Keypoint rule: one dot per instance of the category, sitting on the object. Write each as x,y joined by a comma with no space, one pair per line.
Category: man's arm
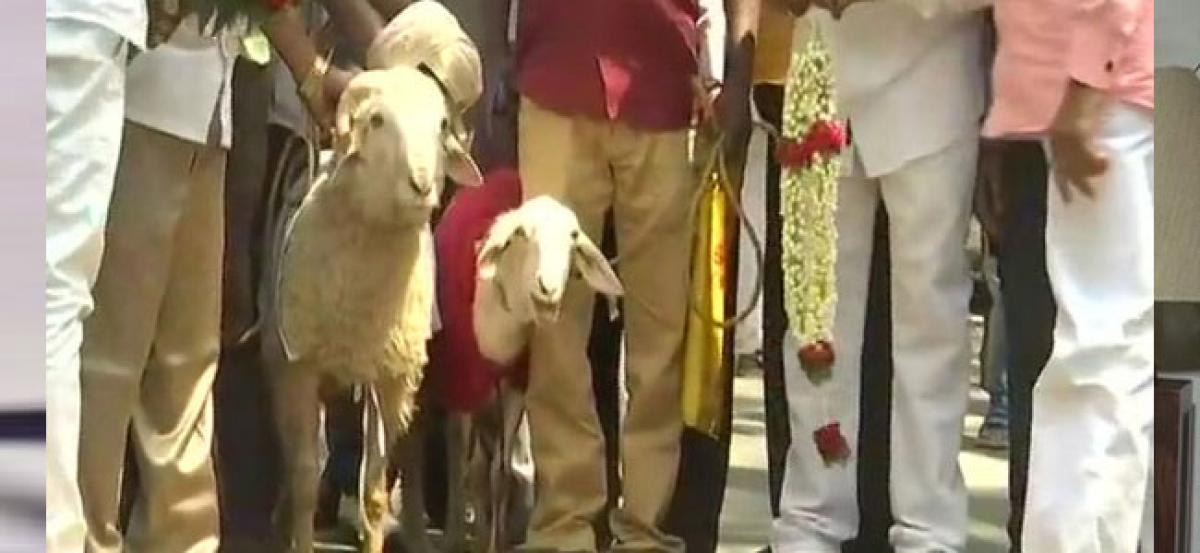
357,20
741,20
733,104
288,33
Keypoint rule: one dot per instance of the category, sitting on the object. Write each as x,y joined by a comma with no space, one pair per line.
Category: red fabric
621,60
465,379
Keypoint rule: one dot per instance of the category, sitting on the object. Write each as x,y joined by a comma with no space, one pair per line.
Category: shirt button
1108,66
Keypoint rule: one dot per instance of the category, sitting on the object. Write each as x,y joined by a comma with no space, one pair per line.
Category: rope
716,164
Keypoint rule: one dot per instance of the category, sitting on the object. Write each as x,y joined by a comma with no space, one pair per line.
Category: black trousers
1028,304
247,460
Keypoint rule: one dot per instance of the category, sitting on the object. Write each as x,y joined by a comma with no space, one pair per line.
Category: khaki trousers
150,349
645,178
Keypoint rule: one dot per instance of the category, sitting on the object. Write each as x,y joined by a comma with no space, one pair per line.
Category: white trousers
1093,406
85,107
929,203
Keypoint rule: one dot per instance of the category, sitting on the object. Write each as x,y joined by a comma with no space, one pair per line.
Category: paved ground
746,517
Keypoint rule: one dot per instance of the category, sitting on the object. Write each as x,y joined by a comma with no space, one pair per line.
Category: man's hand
990,201
323,106
1076,161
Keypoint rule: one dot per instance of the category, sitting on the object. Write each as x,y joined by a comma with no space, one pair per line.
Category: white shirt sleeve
712,40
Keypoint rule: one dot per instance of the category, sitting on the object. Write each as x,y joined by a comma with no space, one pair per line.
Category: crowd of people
166,147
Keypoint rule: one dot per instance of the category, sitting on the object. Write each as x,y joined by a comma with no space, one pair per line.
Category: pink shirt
1044,44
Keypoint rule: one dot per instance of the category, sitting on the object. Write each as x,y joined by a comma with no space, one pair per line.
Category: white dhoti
1093,406
929,203
85,106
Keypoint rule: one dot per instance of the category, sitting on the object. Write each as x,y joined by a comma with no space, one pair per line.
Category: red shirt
464,378
619,60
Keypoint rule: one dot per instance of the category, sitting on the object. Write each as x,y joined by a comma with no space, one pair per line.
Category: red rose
276,5
826,138
787,153
817,355
831,445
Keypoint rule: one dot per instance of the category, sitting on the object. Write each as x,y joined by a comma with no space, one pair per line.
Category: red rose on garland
826,138
831,444
817,360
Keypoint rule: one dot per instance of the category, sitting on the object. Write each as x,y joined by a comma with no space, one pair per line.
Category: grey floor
22,497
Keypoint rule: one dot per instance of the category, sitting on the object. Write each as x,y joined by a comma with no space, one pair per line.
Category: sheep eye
376,120
574,235
445,125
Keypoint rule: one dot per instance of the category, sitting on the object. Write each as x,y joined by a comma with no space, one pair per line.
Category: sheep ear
494,243
486,261
459,165
594,268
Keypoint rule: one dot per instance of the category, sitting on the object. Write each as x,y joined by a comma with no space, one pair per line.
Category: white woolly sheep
524,267
356,277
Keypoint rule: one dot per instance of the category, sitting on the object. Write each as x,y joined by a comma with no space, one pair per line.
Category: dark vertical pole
246,456
695,511
769,100
1028,304
604,352
875,414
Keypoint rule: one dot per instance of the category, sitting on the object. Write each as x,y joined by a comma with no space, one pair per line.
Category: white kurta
910,79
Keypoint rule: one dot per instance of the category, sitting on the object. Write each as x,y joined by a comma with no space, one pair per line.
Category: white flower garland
808,154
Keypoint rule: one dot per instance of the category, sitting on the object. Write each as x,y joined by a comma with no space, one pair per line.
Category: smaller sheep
524,267
504,268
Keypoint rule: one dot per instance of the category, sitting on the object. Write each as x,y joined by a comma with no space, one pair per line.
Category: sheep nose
542,287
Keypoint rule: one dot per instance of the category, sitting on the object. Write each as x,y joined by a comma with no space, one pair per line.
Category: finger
1063,183
1092,167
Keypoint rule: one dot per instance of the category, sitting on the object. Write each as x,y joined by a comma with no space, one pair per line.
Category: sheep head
396,140
531,253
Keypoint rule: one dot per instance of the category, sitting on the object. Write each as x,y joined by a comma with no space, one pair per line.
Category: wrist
312,86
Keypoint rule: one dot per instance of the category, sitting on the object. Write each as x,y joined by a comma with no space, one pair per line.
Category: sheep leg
458,431
296,406
412,491
395,396
376,444
482,485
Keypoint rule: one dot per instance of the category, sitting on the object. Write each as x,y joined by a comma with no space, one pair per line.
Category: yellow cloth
774,49
705,373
